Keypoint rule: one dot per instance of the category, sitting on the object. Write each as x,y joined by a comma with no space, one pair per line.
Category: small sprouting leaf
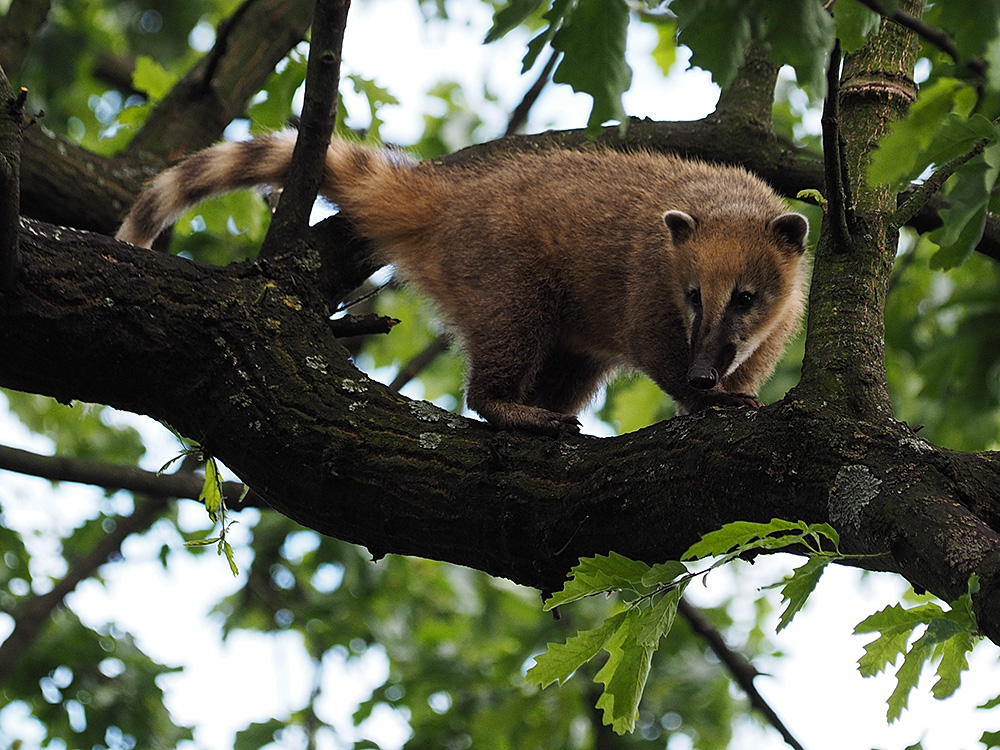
202,542
560,660
796,588
813,195
598,574
211,491
227,549
624,674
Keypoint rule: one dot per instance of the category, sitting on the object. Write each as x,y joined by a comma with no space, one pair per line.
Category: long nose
702,376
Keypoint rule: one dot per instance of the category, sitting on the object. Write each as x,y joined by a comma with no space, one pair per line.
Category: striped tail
351,173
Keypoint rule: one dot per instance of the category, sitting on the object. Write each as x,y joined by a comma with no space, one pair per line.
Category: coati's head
737,283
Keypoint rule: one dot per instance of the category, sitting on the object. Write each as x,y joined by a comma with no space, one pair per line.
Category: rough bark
244,360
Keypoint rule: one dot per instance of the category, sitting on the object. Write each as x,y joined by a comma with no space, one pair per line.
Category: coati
556,268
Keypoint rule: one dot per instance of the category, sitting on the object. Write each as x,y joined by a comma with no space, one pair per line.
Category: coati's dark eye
742,301
694,298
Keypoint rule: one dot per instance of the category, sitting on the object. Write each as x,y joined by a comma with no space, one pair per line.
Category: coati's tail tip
213,171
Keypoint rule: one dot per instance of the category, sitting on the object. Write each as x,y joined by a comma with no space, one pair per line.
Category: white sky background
815,689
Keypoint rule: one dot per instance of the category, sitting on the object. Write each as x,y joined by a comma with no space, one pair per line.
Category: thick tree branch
244,362
216,90
11,127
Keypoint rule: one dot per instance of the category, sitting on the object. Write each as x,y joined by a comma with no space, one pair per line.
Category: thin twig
738,665
839,200
319,112
115,476
932,184
420,362
520,114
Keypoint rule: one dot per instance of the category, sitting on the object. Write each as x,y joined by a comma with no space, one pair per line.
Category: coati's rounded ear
680,224
791,228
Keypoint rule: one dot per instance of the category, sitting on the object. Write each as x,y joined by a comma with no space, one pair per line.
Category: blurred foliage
457,642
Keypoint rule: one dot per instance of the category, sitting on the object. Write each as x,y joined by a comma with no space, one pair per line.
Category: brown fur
556,269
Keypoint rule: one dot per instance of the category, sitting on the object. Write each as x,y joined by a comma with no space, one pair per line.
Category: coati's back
557,268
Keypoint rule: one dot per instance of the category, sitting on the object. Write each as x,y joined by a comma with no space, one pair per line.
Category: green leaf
906,679
560,660
662,574
599,574
211,490
272,113
896,624
655,622
796,588
624,674
717,32
226,548
800,34
954,661
554,16
593,62
510,17
665,52
151,77
739,535
964,221
377,97
913,142
855,22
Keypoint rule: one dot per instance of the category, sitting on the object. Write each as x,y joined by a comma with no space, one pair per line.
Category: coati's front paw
706,399
509,415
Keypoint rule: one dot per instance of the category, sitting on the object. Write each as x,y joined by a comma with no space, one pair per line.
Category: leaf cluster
652,594
948,637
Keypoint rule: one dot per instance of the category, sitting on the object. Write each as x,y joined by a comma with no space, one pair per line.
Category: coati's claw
510,415
721,398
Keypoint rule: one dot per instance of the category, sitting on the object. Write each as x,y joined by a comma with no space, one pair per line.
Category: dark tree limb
319,113
742,671
838,187
11,128
343,455
118,477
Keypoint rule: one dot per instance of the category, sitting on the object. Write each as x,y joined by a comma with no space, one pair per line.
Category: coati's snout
702,377
707,366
